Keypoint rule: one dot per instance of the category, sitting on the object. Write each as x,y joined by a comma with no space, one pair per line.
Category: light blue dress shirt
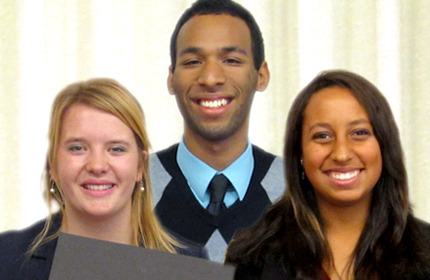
198,175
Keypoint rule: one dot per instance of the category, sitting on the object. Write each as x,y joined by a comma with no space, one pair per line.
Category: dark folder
78,257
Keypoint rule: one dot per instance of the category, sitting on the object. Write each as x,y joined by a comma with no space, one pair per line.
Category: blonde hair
110,96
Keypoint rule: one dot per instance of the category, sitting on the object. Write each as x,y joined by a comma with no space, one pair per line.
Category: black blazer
15,263
272,268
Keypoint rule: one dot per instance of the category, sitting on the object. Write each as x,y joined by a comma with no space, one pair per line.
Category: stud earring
142,186
52,189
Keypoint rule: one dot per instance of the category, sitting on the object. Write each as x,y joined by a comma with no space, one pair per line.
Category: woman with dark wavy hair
346,212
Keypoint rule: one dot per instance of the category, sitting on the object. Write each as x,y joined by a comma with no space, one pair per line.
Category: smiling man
215,182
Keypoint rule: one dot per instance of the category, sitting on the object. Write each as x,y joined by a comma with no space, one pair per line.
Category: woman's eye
117,149
362,132
76,148
321,136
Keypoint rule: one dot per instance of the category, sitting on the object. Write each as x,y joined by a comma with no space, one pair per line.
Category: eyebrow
234,49
123,142
229,49
77,139
327,125
190,50
73,140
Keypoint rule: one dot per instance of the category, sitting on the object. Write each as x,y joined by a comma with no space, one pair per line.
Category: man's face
214,79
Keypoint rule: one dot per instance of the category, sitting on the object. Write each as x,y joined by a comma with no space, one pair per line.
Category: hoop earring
142,186
52,189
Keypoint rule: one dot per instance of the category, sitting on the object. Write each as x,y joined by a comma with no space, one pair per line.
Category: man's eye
191,62
232,61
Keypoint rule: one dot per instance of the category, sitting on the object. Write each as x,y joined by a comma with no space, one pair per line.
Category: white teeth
213,104
344,176
98,187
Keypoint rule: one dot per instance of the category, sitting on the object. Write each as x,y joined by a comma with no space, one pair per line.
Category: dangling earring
303,170
142,186
52,189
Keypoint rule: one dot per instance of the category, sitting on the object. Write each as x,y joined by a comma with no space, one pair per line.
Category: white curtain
45,45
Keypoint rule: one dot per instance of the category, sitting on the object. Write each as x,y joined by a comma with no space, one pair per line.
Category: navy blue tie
217,189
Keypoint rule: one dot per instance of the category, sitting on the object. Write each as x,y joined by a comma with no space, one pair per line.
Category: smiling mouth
97,187
344,175
214,104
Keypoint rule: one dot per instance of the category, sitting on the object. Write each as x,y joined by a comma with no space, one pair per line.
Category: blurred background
45,45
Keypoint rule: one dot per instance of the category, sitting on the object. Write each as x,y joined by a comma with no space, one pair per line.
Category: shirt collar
198,174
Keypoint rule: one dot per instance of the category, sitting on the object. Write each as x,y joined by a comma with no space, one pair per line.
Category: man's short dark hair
219,7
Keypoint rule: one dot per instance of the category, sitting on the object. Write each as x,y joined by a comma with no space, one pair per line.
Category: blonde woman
97,171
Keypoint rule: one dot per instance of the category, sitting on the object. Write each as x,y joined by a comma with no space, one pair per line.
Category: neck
344,218
113,229
217,154
343,227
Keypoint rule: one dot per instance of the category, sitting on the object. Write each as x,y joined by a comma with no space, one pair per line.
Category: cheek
181,82
65,167
129,169
247,82
313,156
373,158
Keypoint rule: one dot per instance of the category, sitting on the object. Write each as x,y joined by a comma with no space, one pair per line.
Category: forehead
336,103
85,118
214,32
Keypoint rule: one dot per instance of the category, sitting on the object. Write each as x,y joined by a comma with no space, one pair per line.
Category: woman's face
97,163
341,155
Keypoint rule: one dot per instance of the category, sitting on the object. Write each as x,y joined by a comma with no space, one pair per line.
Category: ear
53,175
170,81
141,165
263,76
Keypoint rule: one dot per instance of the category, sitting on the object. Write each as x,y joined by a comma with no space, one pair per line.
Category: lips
344,175
97,187
214,104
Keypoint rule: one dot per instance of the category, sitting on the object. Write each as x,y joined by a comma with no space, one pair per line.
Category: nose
211,75
342,151
97,162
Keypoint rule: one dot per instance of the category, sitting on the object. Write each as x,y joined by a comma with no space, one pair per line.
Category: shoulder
167,153
20,238
270,169
411,258
161,168
417,230
272,269
159,162
261,154
14,245
423,226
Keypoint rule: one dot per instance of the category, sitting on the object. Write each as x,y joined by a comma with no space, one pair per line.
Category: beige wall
45,45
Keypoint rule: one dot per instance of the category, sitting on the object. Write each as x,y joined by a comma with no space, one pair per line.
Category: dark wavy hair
293,229
221,7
